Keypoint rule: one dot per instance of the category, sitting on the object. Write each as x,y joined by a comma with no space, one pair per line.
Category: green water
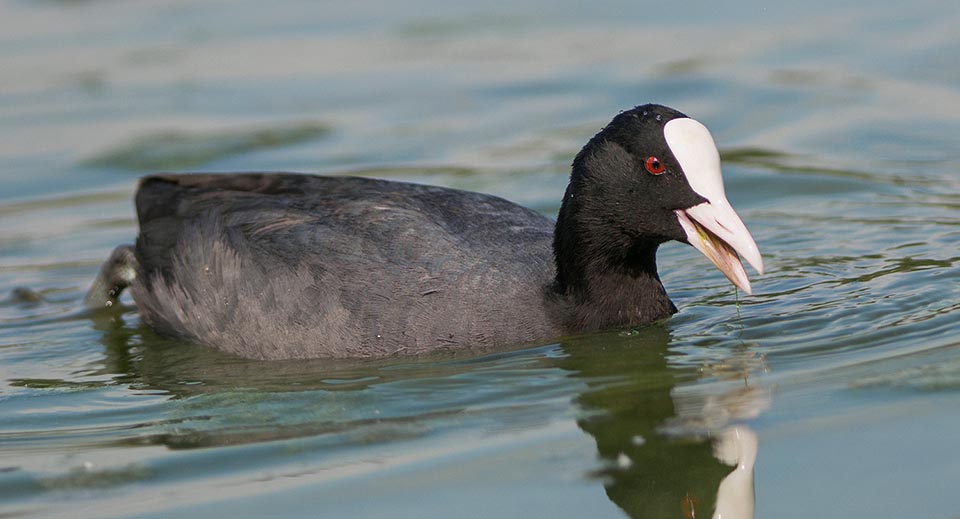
840,132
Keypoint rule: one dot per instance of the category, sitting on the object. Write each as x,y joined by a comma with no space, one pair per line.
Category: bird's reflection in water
665,423
737,446
667,432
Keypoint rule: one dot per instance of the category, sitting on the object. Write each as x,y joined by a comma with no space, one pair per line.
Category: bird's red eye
654,166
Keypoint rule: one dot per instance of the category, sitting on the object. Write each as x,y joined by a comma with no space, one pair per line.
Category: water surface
840,132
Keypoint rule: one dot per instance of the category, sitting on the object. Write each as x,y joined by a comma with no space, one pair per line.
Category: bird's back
288,266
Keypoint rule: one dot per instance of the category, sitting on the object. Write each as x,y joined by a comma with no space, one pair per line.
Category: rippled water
840,131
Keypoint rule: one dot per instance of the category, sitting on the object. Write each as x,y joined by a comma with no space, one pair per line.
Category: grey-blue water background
839,125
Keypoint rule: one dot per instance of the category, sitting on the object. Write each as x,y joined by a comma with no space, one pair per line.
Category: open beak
713,227
715,230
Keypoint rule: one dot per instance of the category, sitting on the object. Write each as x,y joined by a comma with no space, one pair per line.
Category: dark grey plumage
288,266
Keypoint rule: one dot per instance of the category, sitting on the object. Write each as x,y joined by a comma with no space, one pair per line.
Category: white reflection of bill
736,446
714,409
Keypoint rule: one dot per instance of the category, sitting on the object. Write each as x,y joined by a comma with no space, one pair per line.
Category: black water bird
279,265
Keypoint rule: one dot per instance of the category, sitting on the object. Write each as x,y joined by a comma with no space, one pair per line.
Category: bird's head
653,175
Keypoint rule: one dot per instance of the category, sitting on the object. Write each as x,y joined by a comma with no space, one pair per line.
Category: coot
280,265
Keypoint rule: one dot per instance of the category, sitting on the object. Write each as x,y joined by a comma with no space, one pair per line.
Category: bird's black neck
608,278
